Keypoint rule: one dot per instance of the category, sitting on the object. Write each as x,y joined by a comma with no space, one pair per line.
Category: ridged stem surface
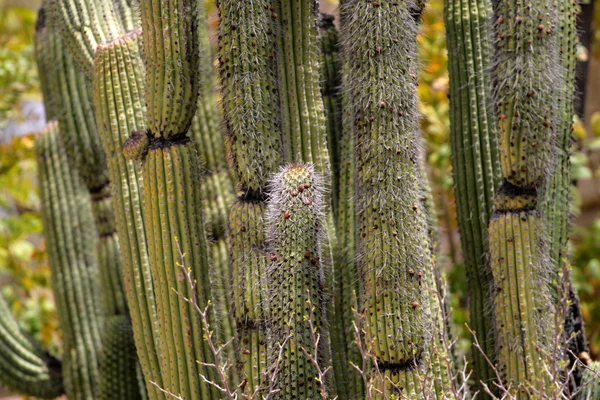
298,339
118,364
70,240
250,94
170,32
24,366
475,157
391,236
248,258
528,78
176,240
84,25
118,101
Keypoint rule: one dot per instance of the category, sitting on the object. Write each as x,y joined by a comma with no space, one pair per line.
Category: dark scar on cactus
407,365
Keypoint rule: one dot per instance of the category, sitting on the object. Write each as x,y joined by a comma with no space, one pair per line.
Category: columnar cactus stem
82,142
298,343
528,77
332,98
118,364
24,366
255,150
250,96
70,240
85,24
475,157
217,184
304,125
591,382
392,237
118,101
172,199
248,257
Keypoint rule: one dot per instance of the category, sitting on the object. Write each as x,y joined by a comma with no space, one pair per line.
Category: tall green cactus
70,240
252,124
392,238
24,366
118,101
298,345
171,195
528,77
86,24
118,365
475,158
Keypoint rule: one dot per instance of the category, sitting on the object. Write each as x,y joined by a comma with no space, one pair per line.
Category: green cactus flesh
118,101
177,240
298,55
527,78
296,313
331,91
24,366
250,93
85,24
118,363
521,301
475,156
591,383
248,258
70,241
170,38
392,238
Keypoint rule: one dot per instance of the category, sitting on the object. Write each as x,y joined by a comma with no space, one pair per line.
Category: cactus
70,239
252,127
295,226
391,222
475,158
250,98
590,383
117,364
519,246
85,25
24,366
177,241
118,65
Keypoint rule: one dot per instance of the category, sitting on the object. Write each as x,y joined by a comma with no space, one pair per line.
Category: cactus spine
528,77
475,160
70,239
253,135
296,317
118,102
591,383
171,194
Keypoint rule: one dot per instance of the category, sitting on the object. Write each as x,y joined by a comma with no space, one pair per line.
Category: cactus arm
475,160
118,101
24,366
295,276
248,258
85,24
171,170
526,44
118,364
332,98
250,97
70,240
591,383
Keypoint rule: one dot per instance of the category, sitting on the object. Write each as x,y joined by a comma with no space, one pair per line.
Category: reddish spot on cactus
286,214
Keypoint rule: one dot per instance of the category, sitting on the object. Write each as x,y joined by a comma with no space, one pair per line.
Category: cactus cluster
284,244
